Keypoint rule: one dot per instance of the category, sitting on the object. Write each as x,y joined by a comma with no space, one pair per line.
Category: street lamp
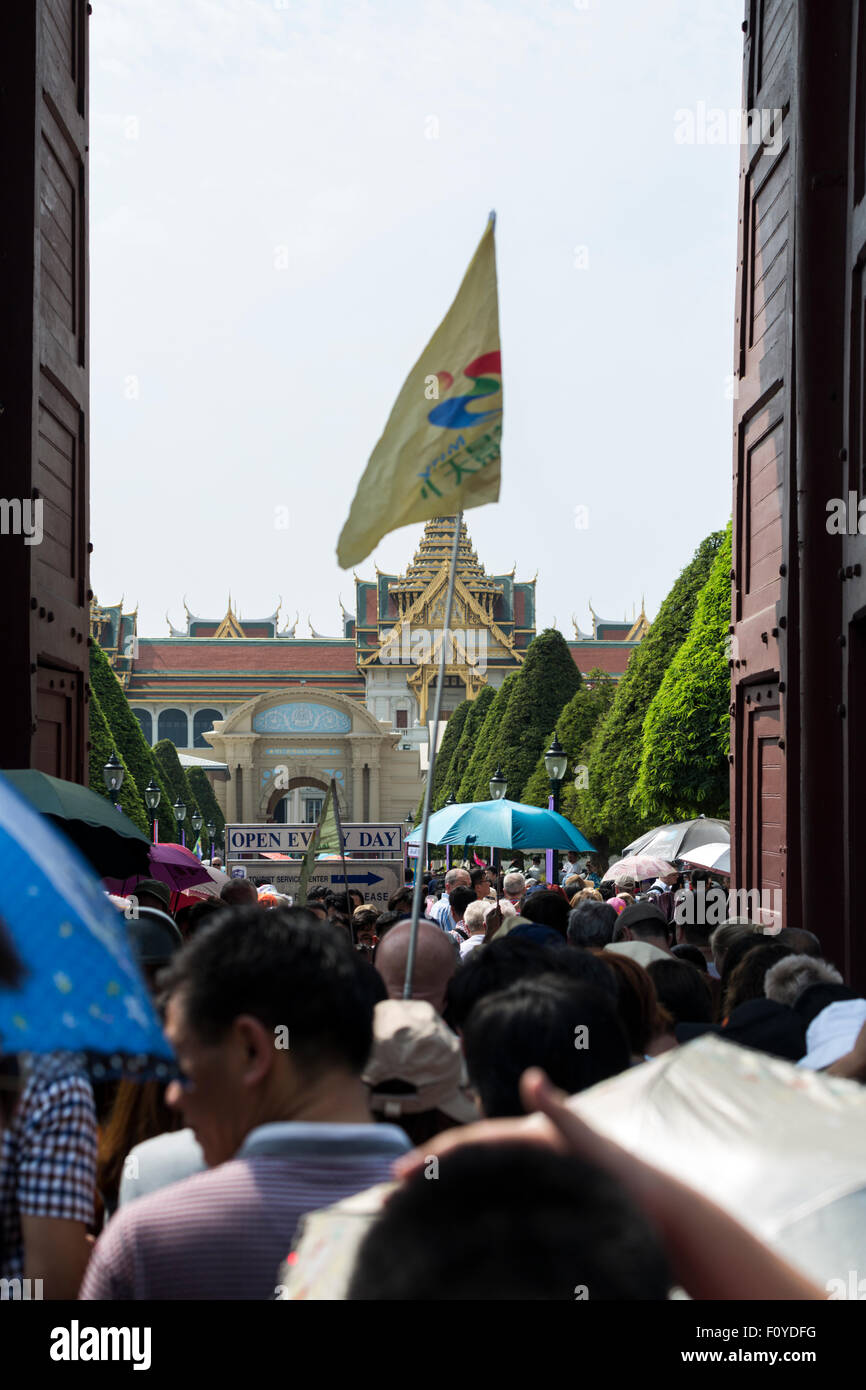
452,800
211,830
556,763
112,775
197,820
498,784
179,809
152,795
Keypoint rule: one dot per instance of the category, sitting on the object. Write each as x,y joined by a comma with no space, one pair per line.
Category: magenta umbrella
171,864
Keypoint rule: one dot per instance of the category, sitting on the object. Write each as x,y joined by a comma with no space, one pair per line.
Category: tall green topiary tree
684,767
450,739
102,746
478,709
604,811
545,683
574,728
487,735
128,738
208,805
177,784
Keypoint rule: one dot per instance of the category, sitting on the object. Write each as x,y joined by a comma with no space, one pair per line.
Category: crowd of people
304,1077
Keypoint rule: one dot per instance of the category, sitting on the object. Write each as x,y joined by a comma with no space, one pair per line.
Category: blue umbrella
502,825
82,991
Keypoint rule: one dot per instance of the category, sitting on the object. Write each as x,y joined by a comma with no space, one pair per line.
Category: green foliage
475,718
208,805
686,733
129,741
450,739
604,810
545,683
574,728
101,748
178,785
485,743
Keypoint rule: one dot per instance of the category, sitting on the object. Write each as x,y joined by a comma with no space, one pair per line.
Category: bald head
435,962
457,878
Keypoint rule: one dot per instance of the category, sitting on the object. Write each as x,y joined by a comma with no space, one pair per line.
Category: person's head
459,900
785,981
150,892
481,882
513,1222
195,916
401,902
643,922
746,980
436,960
801,942
574,884
607,889
737,950
569,1029
624,884
385,921
548,908
415,1070
365,917
637,1001
475,915
723,938
239,892
457,878
514,886
269,1021
514,958
693,954
682,990
591,923
155,939
355,898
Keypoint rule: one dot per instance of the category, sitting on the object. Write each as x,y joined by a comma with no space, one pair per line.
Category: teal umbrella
107,838
503,825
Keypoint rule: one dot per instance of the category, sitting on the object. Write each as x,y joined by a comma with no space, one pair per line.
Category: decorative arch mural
302,717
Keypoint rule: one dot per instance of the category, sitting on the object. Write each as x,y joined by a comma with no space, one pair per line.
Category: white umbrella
715,856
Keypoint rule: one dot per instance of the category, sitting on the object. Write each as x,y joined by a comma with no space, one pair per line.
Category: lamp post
452,801
179,809
152,795
556,763
197,820
409,827
498,788
112,775
211,830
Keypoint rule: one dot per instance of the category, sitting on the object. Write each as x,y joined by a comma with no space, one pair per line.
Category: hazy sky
284,198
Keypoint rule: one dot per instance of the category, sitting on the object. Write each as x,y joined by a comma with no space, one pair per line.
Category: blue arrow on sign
367,878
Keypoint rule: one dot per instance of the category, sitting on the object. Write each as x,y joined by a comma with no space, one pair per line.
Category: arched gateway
283,742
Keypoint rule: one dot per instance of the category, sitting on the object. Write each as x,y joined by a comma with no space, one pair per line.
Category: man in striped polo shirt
271,1018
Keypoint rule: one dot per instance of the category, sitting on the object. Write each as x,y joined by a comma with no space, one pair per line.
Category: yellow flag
327,838
439,452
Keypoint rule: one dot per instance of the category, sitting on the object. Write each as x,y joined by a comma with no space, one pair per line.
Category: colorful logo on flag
454,414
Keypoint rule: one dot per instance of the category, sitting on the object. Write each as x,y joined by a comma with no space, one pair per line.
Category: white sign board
373,838
377,879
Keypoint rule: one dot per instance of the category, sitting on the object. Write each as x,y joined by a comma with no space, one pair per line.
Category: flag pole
431,764
336,805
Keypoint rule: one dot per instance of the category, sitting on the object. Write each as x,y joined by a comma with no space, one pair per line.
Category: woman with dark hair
646,1023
